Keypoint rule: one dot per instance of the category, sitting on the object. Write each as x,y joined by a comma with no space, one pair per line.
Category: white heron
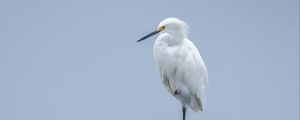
180,65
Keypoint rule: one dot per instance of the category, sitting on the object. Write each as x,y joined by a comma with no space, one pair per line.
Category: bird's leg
183,111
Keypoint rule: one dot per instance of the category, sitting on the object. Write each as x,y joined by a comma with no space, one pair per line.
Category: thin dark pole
184,112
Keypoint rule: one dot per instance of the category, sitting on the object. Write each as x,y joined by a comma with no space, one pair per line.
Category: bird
180,65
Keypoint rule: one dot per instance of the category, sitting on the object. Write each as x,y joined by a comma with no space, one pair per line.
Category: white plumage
180,65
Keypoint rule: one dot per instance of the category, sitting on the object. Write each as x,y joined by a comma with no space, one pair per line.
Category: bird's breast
166,58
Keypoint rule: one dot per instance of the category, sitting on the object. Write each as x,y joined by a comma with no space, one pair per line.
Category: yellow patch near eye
162,28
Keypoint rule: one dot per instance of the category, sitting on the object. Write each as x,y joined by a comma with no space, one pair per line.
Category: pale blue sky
79,60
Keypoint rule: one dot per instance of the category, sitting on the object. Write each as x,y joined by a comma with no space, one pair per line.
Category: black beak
149,35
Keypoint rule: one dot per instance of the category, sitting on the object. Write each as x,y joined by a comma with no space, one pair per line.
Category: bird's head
172,26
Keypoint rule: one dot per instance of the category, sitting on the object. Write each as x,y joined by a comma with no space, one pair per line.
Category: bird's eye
162,28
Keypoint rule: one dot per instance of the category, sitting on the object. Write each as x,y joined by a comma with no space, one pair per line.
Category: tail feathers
196,104
191,100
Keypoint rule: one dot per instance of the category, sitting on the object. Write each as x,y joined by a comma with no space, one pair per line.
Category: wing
195,76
